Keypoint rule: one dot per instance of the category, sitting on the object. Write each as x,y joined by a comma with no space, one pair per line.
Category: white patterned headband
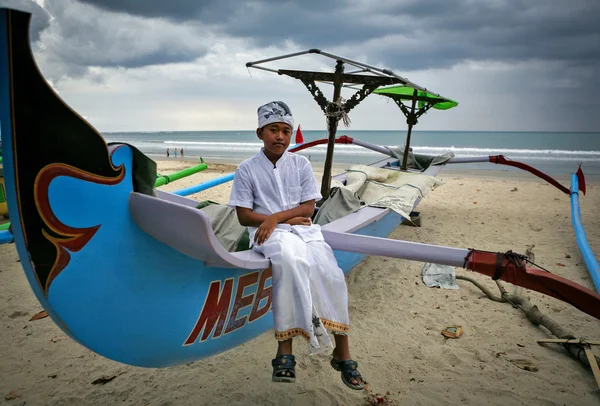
275,112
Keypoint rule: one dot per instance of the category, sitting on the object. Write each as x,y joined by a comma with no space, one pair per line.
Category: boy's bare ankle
284,348
341,354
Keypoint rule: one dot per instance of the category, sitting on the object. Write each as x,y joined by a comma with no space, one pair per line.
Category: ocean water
551,152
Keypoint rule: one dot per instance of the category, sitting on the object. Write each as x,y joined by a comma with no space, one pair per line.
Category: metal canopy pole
332,124
410,120
277,58
336,109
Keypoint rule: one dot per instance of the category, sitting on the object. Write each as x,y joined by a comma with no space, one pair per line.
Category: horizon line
324,130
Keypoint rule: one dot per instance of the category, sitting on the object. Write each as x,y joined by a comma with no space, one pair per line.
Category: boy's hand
299,221
265,229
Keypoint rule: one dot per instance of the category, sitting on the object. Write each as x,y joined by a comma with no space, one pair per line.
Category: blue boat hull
104,281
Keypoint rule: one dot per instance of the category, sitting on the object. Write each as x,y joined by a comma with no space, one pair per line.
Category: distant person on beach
168,153
175,152
274,193
181,152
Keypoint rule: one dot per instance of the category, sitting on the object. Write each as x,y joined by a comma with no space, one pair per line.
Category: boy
274,194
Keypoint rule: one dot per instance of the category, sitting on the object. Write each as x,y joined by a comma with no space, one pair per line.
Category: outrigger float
138,275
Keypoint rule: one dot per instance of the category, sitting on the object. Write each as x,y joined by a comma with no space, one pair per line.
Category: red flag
581,179
299,137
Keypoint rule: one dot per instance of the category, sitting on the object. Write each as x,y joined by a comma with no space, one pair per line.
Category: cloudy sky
149,65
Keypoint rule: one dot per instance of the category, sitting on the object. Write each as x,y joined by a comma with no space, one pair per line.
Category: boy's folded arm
248,218
305,209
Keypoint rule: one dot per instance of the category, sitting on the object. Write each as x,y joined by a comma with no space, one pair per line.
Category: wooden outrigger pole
370,77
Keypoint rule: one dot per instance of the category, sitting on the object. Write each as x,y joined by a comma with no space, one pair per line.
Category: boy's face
276,137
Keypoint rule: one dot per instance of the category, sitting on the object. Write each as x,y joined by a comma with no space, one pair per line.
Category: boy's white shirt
309,289
267,189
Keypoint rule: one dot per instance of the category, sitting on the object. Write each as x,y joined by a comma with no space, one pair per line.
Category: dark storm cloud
78,36
177,10
267,22
40,19
86,37
407,35
217,11
499,31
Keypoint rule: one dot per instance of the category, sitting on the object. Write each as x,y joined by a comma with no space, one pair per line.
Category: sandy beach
396,321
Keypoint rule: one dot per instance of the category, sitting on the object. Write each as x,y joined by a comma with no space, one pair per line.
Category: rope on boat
336,110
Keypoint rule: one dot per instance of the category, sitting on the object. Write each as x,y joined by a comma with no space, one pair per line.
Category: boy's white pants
309,289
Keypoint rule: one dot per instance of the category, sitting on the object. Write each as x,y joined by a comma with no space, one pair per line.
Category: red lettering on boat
213,312
241,301
262,293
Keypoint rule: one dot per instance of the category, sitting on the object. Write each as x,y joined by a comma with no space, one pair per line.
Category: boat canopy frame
370,77
426,100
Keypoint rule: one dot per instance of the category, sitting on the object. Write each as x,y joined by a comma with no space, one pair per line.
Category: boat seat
189,231
355,221
174,220
161,194
347,224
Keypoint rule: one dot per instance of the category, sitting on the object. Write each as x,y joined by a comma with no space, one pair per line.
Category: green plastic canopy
406,93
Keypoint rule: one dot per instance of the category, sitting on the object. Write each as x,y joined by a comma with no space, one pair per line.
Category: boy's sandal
282,367
349,371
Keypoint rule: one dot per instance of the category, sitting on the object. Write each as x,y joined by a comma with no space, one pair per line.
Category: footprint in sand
17,314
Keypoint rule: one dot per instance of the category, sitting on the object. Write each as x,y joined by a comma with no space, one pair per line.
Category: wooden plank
593,364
